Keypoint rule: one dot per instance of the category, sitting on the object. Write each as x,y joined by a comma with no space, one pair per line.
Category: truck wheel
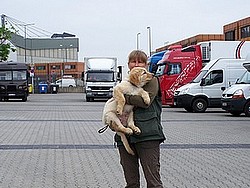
235,113
189,109
24,99
199,105
247,109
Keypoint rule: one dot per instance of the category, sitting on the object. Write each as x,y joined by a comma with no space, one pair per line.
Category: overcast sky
109,27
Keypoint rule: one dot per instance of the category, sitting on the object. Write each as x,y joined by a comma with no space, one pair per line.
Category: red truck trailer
178,67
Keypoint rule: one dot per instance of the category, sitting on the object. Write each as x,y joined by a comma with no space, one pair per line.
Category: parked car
66,82
236,99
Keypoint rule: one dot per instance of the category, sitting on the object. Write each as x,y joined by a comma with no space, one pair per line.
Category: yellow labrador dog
116,106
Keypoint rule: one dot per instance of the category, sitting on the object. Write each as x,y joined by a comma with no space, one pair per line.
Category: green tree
5,45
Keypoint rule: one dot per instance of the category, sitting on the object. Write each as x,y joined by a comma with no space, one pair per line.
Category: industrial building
53,57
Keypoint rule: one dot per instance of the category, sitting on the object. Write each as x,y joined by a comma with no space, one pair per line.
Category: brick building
56,70
238,30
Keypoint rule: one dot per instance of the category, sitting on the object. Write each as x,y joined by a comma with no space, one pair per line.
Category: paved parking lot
52,141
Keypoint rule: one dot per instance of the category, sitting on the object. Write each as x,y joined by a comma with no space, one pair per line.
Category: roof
44,43
12,65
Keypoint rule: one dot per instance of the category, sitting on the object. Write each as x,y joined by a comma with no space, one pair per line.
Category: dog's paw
147,100
119,111
129,131
131,152
137,131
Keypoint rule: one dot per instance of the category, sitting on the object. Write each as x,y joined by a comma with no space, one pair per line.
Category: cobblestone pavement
51,141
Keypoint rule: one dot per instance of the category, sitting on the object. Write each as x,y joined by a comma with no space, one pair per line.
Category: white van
206,89
66,82
236,99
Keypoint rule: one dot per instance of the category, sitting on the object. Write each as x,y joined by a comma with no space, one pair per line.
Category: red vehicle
178,67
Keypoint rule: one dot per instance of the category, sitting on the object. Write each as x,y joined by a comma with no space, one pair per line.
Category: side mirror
202,82
154,68
82,76
119,77
119,73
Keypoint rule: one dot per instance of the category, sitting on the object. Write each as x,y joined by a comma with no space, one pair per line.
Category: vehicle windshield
13,75
19,75
198,78
100,77
5,75
160,69
245,79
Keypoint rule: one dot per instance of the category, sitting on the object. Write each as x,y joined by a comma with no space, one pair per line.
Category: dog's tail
125,143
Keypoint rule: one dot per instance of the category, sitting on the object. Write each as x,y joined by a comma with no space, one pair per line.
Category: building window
69,67
21,51
46,53
60,53
55,67
56,53
70,53
51,54
33,53
42,53
230,35
38,53
245,32
28,52
40,68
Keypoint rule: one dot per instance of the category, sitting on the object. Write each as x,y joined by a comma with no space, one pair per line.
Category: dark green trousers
148,155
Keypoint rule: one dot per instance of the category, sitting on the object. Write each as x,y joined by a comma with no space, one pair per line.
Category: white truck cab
100,77
206,89
236,99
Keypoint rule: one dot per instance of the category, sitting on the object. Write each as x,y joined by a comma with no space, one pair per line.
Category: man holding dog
147,144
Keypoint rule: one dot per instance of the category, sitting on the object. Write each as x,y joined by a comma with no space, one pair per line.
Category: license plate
12,94
224,104
100,93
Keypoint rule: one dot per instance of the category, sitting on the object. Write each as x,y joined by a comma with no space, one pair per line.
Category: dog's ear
134,77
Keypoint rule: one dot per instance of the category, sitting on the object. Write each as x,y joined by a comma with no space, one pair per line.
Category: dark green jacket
146,117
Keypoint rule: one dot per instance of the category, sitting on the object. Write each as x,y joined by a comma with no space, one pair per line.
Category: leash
101,130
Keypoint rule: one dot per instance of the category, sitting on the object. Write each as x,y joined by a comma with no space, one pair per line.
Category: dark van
13,81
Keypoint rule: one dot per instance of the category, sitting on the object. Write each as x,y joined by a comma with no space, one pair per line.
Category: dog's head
139,76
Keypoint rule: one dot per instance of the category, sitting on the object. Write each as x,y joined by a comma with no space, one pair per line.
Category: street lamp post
137,40
25,40
149,40
64,54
